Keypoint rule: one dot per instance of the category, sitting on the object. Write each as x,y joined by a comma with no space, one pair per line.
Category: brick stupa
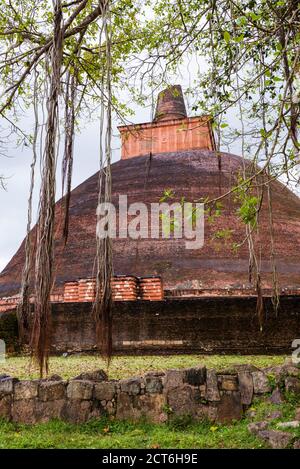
175,152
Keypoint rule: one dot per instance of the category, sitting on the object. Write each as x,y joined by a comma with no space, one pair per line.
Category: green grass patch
109,433
105,433
126,366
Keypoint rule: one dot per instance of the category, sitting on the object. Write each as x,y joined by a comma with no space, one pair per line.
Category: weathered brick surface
217,324
196,172
162,137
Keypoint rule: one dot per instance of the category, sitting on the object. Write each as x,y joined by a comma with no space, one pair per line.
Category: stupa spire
170,104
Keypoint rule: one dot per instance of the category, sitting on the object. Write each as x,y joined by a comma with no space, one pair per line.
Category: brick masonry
194,175
124,288
178,325
167,136
157,396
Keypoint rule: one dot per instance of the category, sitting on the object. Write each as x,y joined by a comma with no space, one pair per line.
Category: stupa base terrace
181,321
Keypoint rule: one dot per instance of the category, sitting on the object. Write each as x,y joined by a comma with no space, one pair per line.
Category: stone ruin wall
197,392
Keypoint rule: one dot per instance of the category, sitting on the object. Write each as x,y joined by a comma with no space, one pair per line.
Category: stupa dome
191,168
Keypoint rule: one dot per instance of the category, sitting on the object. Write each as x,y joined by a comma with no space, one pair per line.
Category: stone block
276,439
228,382
49,410
52,390
5,407
105,391
55,377
110,408
245,386
149,406
212,390
131,386
174,378
124,407
26,390
292,371
184,400
296,445
256,427
153,383
260,383
202,389
23,411
208,412
276,397
292,424
196,376
4,376
97,375
7,386
230,407
292,384
82,390
77,411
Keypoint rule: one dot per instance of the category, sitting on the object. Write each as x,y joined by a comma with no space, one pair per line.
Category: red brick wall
166,136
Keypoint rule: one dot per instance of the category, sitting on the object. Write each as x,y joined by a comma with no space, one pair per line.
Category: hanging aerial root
23,308
104,258
103,303
259,303
40,337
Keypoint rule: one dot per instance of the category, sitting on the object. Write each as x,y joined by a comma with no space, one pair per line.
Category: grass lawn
105,433
125,366
109,433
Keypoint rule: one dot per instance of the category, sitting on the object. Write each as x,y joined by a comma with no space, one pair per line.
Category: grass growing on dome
126,366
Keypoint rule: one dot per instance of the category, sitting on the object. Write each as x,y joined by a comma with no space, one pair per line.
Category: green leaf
254,16
263,133
227,36
239,38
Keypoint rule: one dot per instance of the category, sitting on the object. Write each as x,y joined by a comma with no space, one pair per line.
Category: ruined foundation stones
157,396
